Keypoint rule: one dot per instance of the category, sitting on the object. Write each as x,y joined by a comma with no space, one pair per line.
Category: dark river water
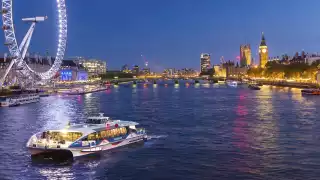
197,132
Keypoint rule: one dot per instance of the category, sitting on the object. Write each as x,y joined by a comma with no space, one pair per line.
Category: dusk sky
173,33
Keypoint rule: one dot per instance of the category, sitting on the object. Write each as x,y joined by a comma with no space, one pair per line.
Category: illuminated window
92,137
114,133
66,136
103,134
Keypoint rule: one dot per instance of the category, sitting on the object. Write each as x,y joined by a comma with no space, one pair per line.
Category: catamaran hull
79,152
100,148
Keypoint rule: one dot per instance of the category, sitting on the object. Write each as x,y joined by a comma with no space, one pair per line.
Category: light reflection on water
207,85
54,173
255,137
57,114
212,131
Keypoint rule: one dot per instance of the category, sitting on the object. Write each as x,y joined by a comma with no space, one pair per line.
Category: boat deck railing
141,131
38,142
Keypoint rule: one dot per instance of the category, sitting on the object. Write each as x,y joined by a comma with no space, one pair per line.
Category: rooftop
44,61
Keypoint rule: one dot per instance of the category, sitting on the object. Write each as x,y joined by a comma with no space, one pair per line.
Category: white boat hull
79,152
30,101
20,100
232,83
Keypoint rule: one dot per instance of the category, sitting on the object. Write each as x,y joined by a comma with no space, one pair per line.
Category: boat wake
154,137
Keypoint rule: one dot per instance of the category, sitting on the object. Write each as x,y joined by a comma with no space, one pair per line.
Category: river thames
197,132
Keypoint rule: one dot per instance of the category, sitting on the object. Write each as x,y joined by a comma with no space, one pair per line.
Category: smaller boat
254,87
12,101
232,83
44,94
213,81
81,91
108,83
310,91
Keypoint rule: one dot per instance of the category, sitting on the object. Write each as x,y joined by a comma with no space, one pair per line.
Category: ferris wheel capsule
4,27
8,43
4,11
35,19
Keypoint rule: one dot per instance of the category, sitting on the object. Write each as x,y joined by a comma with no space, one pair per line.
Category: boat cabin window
105,134
113,132
92,136
96,121
61,136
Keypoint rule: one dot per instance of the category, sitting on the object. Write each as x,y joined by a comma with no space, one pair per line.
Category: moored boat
97,134
81,91
45,94
232,83
310,91
12,101
254,87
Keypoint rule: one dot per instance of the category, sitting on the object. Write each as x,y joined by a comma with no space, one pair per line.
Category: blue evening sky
173,33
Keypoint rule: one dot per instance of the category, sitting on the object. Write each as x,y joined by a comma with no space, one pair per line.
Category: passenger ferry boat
97,134
81,91
19,100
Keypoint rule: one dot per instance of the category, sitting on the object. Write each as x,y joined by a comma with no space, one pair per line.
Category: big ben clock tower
263,52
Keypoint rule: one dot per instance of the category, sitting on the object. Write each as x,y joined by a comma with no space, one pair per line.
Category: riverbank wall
290,84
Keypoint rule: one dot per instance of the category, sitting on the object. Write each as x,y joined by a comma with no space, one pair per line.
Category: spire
263,40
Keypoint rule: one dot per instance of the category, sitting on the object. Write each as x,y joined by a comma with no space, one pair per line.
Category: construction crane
145,61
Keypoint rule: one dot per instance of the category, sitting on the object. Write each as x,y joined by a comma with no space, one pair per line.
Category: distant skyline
173,33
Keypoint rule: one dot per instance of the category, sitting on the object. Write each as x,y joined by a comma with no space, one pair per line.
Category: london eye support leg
23,47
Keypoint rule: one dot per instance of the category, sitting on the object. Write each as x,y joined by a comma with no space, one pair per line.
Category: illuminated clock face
264,50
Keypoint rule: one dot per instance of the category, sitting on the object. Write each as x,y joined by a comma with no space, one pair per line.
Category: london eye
18,52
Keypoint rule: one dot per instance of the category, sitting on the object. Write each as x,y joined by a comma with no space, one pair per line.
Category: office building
205,63
125,69
94,67
71,71
136,70
245,55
